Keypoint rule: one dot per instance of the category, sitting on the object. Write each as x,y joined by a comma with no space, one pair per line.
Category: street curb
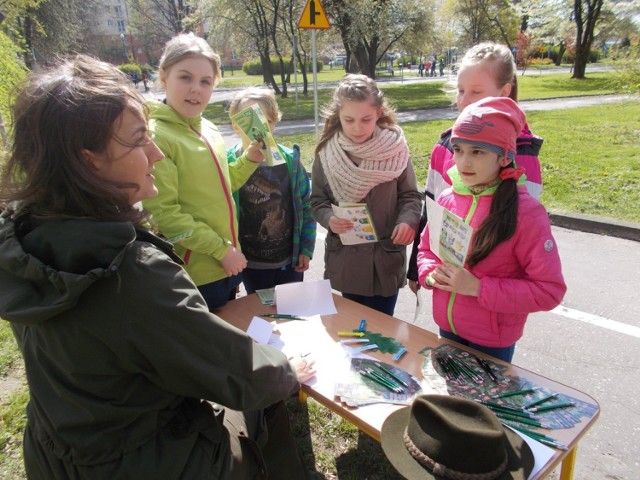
597,225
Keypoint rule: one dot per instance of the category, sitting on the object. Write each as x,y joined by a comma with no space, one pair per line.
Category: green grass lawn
590,157
431,94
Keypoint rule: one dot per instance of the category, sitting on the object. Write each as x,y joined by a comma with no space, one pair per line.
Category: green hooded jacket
119,349
194,207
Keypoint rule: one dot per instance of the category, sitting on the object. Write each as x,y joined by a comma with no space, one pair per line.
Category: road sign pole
295,71
315,81
314,17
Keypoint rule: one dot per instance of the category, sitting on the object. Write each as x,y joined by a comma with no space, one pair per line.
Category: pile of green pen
390,381
516,416
455,369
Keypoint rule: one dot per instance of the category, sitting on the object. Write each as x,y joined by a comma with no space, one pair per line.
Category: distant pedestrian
433,67
145,81
441,65
421,69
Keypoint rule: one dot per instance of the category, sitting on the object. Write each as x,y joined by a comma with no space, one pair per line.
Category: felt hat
441,437
492,123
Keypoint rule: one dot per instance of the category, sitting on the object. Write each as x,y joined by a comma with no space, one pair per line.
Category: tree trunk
585,27
561,50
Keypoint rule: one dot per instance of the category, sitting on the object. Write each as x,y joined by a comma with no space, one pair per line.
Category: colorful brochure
253,122
363,230
449,236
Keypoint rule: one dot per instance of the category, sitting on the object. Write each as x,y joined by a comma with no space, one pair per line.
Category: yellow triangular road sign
314,16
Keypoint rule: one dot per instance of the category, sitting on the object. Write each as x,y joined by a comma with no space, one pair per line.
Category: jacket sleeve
441,160
183,348
527,155
321,196
541,286
409,198
308,234
173,222
426,259
240,171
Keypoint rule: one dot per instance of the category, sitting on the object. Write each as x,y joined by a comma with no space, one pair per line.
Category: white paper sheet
305,298
260,330
541,453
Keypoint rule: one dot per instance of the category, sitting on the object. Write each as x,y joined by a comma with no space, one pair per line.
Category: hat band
446,472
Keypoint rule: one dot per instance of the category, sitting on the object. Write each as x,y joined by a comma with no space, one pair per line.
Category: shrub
626,76
131,69
12,70
541,61
254,67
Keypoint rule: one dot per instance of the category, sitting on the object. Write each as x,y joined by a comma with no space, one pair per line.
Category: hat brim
520,463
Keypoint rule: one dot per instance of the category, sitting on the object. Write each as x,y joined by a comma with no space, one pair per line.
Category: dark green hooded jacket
119,349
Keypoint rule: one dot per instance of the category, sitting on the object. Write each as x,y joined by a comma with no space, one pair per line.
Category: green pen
391,374
379,382
514,418
540,437
517,392
542,400
281,315
396,388
510,411
552,407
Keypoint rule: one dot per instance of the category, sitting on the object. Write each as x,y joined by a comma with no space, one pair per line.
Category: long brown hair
354,87
500,224
57,116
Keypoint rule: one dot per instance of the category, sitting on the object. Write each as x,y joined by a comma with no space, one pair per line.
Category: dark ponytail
500,224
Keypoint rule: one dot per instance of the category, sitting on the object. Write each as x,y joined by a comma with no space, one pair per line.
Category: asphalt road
591,343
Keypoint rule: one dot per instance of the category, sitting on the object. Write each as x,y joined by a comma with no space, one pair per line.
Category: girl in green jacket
194,208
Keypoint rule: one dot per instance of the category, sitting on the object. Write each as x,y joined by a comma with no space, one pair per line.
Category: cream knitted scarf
353,169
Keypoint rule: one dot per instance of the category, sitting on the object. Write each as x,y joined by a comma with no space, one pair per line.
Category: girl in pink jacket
513,267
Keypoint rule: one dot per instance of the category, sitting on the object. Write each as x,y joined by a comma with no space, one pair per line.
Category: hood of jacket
163,112
46,269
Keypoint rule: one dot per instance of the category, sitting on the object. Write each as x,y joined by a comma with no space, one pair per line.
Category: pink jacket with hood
520,276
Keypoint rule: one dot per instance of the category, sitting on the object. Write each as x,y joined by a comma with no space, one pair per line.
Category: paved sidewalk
289,127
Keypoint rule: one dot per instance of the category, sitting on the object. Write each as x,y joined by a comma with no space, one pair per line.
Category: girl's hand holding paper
255,151
455,279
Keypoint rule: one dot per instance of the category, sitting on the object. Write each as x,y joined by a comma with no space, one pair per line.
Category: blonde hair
260,95
498,61
354,87
188,45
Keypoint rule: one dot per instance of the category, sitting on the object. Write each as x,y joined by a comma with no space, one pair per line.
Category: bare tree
157,21
370,28
488,20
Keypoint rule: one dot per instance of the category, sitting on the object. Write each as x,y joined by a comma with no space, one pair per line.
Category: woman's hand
340,225
303,263
414,286
455,279
255,152
233,262
303,367
403,234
